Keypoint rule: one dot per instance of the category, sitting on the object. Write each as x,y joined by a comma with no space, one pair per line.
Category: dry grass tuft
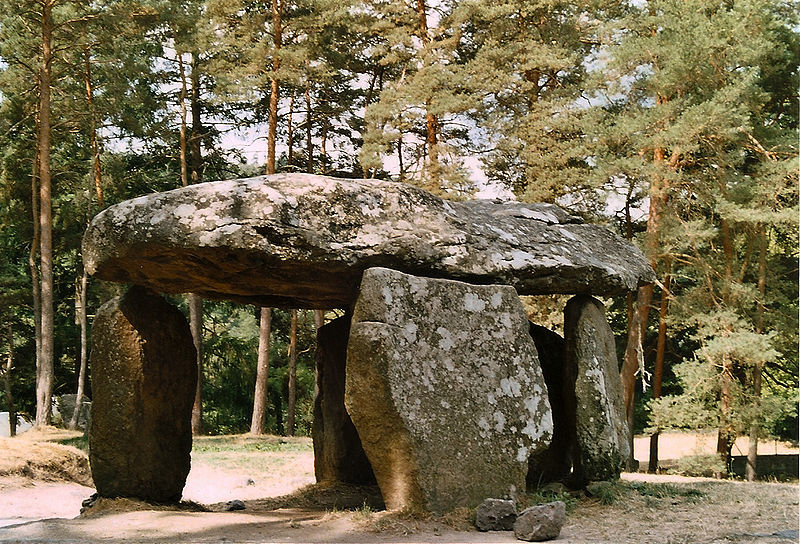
25,457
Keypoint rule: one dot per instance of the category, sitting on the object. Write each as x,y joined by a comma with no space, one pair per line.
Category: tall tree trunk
751,471
658,372
36,286
633,359
96,169
274,87
259,420
12,413
80,301
323,146
290,130
292,376
726,433
45,370
431,121
196,326
309,141
184,156
195,302
197,166
319,319
82,292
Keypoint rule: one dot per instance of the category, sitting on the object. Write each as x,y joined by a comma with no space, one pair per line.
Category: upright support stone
444,387
554,464
144,375
601,428
338,454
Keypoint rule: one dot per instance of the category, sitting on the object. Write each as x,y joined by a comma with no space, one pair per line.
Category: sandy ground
727,512
719,512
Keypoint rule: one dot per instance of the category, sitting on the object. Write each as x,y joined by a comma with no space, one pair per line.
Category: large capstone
600,424
303,241
144,372
338,454
444,387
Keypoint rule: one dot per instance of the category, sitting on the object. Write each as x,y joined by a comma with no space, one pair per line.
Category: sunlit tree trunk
292,402
194,301
45,367
751,471
12,413
309,141
80,301
36,286
658,372
633,359
290,131
81,294
259,419
274,87
431,121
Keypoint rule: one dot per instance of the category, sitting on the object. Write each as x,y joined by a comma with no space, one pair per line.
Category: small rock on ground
541,522
496,515
230,506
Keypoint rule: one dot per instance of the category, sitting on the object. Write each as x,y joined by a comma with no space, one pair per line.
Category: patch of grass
543,496
665,491
243,443
80,442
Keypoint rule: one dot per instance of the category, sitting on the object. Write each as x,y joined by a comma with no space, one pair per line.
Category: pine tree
692,106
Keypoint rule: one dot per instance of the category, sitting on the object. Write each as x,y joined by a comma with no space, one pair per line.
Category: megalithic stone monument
305,241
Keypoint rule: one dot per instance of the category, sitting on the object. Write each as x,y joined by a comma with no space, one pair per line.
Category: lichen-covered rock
303,241
444,387
338,454
541,522
496,515
601,428
144,372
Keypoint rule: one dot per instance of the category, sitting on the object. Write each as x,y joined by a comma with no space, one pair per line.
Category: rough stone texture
143,378
541,522
601,428
338,454
65,407
555,462
496,515
444,387
303,241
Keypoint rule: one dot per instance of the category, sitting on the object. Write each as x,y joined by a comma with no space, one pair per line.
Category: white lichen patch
473,303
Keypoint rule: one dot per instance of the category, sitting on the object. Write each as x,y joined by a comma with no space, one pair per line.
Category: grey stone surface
338,454
541,522
65,407
601,429
143,366
496,515
444,387
555,462
5,428
303,241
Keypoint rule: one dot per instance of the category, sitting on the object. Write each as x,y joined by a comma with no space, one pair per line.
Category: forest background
672,122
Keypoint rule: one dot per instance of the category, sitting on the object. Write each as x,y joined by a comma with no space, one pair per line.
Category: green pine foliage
602,106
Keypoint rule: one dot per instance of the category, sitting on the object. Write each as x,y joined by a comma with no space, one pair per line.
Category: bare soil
272,477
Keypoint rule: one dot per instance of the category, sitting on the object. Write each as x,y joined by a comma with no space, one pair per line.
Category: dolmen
433,383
